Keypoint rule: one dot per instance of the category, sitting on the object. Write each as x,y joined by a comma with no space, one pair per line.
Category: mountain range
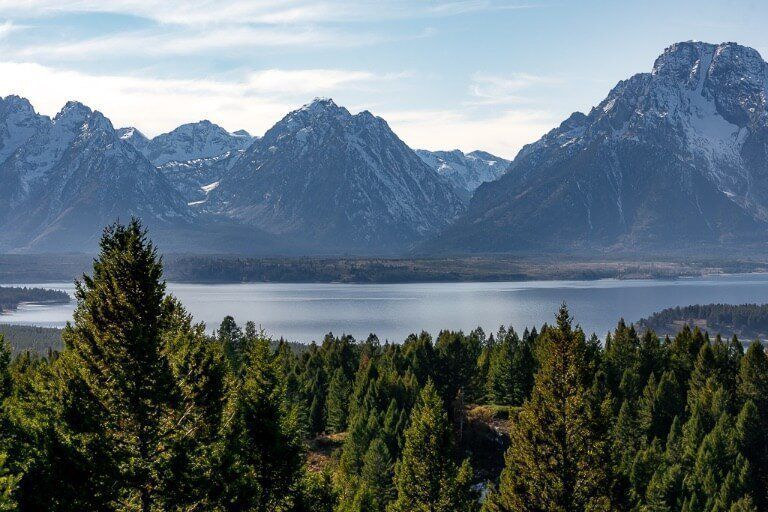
672,161
321,181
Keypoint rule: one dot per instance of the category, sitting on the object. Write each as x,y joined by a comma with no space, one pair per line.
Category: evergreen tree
8,485
131,427
510,369
231,338
753,387
556,459
6,382
426,477
261,455
621,353
338,402
372,491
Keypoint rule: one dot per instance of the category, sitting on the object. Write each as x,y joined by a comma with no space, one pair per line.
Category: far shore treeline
232,268
141,410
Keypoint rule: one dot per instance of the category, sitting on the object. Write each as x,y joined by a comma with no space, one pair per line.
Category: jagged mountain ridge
670,160
192,156
335,178
465,172
66,177
194,141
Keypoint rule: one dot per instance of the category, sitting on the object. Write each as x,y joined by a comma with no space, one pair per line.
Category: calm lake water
304,312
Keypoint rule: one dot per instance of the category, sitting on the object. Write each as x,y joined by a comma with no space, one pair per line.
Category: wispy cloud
7,28
316,81
204,12
150,43
489,89
193,41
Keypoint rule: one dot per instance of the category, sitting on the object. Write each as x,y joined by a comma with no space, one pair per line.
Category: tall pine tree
557,459
426,477
139,393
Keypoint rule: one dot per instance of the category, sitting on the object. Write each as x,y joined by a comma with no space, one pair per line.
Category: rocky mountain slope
321,181
193,156
673,160
336,179
465,172
64,178
194,141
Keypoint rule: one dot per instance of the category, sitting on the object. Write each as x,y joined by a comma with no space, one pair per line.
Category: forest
748,321
141,410
11,297
29,338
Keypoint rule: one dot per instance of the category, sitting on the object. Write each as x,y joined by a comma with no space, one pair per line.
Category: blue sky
468,74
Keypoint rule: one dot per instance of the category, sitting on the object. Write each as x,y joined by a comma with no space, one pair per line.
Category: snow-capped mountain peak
465,172
672,157
328,176
70,175
191,141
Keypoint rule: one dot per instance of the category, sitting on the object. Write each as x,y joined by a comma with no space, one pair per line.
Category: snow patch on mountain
193,141
465,172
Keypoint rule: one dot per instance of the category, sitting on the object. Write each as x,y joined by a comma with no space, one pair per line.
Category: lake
305,312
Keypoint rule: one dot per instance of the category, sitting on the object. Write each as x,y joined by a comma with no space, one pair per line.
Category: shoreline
232,269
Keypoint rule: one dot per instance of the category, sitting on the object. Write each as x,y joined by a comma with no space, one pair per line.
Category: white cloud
205,12
307,81
502,134
158,105
190,42
7,28
488,89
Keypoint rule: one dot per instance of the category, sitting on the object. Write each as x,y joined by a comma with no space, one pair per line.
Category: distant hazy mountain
672,160
63,179
465,172
135,137
194,141
337,179
193,156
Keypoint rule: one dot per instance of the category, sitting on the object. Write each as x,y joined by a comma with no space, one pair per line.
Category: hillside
672,161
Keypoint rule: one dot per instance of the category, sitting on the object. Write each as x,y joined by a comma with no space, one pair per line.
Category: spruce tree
261,459
8,483
753,387
231,338
131,422
557,459
426,477
337,403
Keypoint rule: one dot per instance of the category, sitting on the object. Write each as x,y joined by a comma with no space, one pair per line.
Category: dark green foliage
557,459
426,477
141,410
261,456
11,297
40,340
511,367
746,320
231,339
338,402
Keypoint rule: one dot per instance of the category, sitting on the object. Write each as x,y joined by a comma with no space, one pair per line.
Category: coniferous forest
142,410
